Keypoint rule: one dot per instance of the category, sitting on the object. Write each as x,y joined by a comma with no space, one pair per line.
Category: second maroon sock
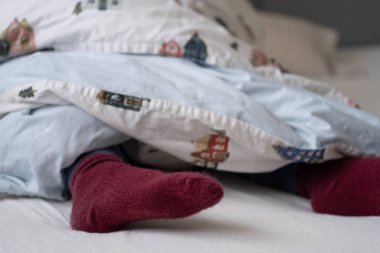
349,186
108,194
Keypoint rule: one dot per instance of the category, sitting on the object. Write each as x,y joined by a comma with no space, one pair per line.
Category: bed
250,218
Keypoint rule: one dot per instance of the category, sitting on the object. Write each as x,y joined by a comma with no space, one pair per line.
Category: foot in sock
108,193
348,186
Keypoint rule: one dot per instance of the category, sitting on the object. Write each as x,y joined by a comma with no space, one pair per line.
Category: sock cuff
90,160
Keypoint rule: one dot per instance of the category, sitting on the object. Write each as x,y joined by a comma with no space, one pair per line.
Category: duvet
186,92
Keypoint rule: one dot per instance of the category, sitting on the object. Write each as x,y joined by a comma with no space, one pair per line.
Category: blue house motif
300,155
196,49
101,5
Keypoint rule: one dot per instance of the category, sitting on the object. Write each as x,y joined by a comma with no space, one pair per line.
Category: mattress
250,218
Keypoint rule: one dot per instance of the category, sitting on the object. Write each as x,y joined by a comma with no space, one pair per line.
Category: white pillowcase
148,26
123,26
301,46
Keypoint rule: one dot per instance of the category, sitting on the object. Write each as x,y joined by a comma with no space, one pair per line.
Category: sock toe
198,191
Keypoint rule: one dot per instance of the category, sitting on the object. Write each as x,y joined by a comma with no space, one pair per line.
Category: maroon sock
349,186
108,194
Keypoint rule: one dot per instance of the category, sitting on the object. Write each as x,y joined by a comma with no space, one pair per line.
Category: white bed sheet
250,218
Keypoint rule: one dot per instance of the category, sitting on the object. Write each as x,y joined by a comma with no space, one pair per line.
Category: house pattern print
195,49
101,5
211,149
17,38
300,155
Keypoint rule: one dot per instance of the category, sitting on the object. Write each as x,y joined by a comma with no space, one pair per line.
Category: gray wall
357,20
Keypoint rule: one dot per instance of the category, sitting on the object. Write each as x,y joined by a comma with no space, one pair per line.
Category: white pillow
302,47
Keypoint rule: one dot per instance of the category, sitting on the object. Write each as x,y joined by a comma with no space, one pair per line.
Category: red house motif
171,48
17,39
211,150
